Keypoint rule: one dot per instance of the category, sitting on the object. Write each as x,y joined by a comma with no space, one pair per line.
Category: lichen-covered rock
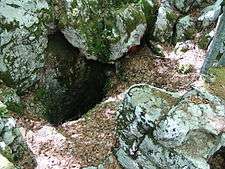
211,13
216,51
166,20
105,30
158,129
23,40
12,146
185,28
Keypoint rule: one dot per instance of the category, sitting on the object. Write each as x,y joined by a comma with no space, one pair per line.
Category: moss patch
203,42
217,86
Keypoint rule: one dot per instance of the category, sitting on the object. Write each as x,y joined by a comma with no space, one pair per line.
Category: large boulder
158,129
23,36
105,30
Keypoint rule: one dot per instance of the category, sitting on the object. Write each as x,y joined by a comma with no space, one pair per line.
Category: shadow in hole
77,84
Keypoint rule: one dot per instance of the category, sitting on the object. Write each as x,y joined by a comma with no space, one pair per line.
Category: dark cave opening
71,85
217,161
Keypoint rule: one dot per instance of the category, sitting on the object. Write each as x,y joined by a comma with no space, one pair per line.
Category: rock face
12,146
158,129
216,51
105,30
23,36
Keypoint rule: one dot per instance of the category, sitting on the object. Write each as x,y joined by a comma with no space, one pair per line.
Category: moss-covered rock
166,20
23,40
105,30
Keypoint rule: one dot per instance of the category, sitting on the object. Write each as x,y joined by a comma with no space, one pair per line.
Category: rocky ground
91,139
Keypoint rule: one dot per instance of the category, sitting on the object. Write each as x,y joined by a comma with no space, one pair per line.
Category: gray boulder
159,129
23,40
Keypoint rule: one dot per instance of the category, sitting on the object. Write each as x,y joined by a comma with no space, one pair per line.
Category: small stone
2,146
8,137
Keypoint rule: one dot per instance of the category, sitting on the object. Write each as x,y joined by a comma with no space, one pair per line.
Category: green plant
3,109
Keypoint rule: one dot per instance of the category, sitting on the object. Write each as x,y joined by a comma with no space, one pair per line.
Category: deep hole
71,85
217,161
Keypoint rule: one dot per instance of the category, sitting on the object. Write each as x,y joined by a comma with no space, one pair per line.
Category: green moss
137,17
203,42
171,16
190,33
40,94
15,107
217,85
3,110
7,79
7,152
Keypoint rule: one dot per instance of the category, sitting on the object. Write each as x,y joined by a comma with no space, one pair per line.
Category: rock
166,20
10,98
185,68
158,129
216,50
185,29
5,163
185,5
211,13
12,145
8,137
23,41
104,30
